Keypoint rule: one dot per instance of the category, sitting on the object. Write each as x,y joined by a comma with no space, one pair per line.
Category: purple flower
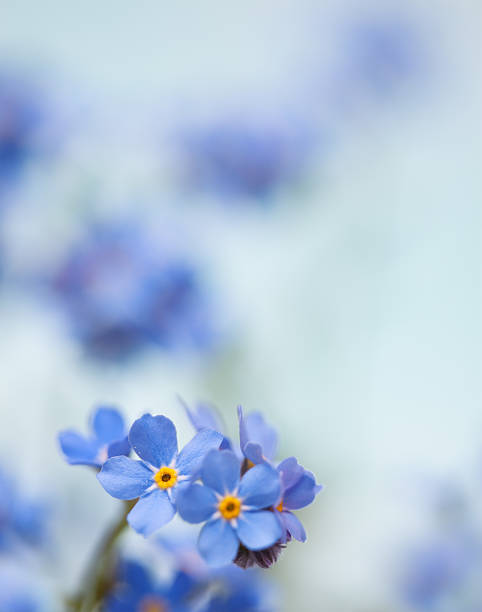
298,489
236,510
259,441
108,439
162,471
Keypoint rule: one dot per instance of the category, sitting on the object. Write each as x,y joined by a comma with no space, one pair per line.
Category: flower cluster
244,499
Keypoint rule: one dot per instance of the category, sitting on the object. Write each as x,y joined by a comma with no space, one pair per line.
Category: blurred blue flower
380,56
21,114
238,590
441,573
22,519
108,439
243,158
136,591
298,489
236,510
258,440
157,478
122,294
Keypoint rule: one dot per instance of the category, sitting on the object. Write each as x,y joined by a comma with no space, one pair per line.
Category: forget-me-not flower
155,479
298,489
122,291
205,416
136,590
235,509
108,439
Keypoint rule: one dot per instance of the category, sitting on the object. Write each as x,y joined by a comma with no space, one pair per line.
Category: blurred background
272,204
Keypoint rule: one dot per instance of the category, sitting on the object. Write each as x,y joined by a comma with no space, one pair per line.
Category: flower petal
260,487
204,416
254,453
220,471
196,503
293,526
108,424
119,447
290,471
78,450
125,478
218,543
302,493
191,457
254,429
152,511
154,439
259,530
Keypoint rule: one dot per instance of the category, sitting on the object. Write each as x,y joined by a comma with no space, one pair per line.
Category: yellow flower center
166,478
152,604
279,507
230,507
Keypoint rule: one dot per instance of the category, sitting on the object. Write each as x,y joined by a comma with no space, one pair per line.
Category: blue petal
254,428
108,425
196,503
119,447
220,471
260,487
154,439
254,453
259,530
78,450
302,493
218,543
290,471
125,478
152,511
293,526
204,417
191,457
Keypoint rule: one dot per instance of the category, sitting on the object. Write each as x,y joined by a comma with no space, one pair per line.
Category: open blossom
236,509
162,471
108,439
298,489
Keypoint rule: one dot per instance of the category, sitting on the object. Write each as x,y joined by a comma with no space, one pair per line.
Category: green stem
101,568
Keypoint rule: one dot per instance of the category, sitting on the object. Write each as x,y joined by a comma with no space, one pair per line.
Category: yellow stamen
279,507
166,477
152,604
230,507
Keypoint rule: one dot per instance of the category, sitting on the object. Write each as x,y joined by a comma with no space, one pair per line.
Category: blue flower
161,473
244,158
259,441
135,589
298,489
108,439
122,293
238,590
22,518
381,55
20,116
235,509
